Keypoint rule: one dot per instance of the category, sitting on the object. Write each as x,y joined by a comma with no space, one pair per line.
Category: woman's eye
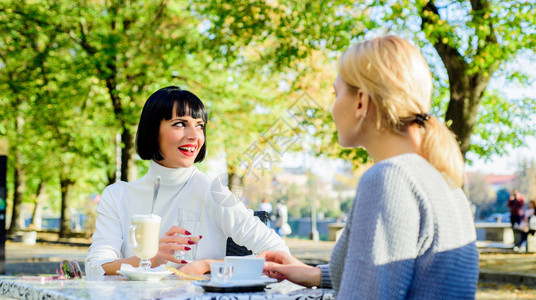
179,124
200,126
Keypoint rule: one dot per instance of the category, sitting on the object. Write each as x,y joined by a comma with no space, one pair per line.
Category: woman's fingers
279,257
176,239
274,256
166,252
172,247
177,230
180,239
274,270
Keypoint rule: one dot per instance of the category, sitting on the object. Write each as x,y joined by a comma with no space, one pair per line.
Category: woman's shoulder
403,166
410,170
199,177
119,188
213,188
116,187
395,168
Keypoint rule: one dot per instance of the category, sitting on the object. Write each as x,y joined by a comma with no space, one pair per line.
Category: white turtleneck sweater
223,216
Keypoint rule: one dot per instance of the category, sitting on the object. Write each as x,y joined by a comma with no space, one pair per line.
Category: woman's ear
363,101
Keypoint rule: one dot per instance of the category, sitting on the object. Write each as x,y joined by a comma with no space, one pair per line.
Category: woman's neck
382,144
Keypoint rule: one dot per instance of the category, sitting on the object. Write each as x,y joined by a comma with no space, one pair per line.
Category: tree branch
451,57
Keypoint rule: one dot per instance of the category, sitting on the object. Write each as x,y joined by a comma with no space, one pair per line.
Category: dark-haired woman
171,133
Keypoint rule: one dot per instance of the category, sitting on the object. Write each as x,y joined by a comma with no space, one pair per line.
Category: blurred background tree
475,41
480,193
526,179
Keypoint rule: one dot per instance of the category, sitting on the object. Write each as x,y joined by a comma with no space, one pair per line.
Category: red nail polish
187,248
200,237
191,242
183,262
187,232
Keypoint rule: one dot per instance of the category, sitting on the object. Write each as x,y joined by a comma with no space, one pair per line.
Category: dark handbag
233,249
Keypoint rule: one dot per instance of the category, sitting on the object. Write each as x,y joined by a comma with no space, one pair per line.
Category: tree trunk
129,171
466,86
37,215
463,106
19,183
20,186
65,218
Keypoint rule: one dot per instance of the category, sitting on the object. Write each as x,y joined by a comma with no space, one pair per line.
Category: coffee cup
245,267
144,237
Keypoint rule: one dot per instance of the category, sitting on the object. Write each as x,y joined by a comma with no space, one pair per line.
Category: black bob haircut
158,107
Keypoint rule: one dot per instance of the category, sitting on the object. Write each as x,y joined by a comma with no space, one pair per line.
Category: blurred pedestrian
515,203
525,227
281,223
267,207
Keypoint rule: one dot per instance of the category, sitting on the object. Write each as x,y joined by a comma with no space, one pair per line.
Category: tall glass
144,237
191,221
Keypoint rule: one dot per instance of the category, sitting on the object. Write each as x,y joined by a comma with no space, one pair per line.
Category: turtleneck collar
170,176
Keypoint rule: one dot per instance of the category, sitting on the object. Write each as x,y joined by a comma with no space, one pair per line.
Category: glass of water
221,272
190,221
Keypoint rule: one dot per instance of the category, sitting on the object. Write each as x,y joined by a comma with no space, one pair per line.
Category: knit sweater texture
408,236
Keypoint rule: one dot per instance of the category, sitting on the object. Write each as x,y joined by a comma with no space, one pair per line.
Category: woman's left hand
197,267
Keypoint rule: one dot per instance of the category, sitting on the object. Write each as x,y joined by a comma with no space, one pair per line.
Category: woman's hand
198,267
281,265
171,242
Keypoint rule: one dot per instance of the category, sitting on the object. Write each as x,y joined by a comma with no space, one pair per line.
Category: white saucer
236,285
244,282
151,275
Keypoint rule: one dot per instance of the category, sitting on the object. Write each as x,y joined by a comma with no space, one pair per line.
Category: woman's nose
192,134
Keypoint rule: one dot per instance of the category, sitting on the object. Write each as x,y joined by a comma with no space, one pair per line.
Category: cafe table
119,287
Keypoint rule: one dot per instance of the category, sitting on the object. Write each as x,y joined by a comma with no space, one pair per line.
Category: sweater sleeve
383,237
107,239
325,280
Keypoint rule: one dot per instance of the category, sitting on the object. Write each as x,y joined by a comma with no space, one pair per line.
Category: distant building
496,182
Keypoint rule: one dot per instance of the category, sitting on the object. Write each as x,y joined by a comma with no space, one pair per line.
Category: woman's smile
188,149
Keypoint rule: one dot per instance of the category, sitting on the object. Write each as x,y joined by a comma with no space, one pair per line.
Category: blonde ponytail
398,80
440,148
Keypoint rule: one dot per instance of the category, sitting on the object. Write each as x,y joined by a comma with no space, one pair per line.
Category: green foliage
475,41
502,124
282,33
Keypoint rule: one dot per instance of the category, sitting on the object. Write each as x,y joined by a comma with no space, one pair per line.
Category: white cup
144,237
246,267
220,272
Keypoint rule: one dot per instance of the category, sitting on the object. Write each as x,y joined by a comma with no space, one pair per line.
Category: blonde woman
410,233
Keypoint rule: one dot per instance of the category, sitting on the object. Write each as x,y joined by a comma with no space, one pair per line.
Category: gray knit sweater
408,236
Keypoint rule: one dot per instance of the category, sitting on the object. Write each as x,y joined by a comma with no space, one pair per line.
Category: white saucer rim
144,274
237,282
